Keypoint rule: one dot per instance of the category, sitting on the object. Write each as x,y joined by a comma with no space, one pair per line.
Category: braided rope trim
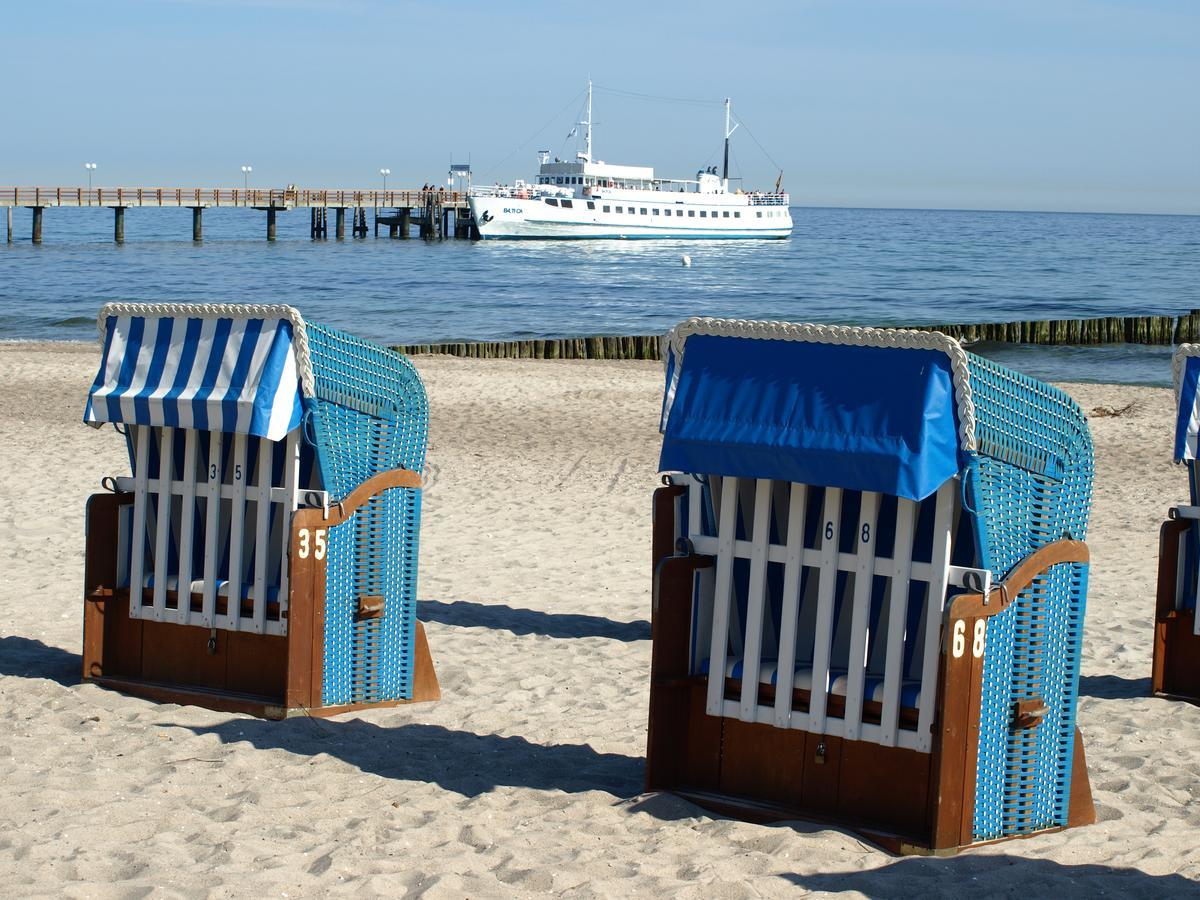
224,311
1182,352
840,335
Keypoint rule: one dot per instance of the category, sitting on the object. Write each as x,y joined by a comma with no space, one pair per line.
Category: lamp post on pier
246,170
91,167
385,173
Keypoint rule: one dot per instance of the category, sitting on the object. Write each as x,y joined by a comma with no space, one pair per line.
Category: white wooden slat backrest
187,526
840,623
227,500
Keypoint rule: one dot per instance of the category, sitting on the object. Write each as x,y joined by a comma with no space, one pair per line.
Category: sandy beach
526,777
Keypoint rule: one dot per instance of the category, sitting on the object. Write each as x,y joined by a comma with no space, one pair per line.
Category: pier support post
37,224
405,222
119,224
393,231
9,231
197,224
270,223
341,223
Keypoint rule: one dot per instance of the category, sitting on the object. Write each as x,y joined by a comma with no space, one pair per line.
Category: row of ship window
704,213
572,179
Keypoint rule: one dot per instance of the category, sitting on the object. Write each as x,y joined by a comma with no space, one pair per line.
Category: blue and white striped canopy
210,372
1187,423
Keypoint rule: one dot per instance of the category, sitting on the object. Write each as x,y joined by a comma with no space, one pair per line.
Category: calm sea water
858,266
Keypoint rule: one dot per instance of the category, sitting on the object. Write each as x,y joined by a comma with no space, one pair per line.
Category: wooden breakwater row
1160,330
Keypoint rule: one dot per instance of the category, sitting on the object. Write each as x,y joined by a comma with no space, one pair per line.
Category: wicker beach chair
262,556
1176,668
869,585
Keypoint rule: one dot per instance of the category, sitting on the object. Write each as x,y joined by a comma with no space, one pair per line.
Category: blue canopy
200,370
1187,422
856,417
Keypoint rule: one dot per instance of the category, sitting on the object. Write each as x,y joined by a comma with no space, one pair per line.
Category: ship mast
586,155
728,133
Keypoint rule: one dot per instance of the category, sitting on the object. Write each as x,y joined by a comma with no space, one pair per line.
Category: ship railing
523,193
765,198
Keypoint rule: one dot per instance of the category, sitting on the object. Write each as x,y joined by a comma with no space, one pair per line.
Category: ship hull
506,218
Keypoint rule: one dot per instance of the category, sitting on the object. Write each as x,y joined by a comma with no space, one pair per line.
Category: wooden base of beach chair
1176,670
903,800
266,675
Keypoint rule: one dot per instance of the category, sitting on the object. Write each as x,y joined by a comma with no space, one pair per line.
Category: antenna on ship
728,132
586,155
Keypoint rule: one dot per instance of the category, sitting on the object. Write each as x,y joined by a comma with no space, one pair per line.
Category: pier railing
267,198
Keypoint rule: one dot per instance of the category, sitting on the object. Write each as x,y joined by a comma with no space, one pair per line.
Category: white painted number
958,642
318,539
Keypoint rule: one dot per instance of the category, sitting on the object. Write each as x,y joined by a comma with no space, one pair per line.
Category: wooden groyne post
1146,330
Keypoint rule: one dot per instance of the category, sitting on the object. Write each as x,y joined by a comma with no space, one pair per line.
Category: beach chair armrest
341,510
968,606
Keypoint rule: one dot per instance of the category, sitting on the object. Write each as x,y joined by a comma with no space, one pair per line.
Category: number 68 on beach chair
869,585
262,556
1176,670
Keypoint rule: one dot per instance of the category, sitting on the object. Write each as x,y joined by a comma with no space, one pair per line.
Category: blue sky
983,104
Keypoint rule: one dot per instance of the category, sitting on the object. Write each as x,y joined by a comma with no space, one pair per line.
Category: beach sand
526,777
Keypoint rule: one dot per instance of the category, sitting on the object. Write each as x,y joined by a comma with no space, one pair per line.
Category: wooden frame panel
267,675
901,798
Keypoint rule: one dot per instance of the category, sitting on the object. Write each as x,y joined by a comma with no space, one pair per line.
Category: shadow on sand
996,875
1114,687
29,658
460,761
465,613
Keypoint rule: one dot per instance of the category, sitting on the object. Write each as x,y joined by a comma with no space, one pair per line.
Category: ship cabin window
607,208
620,209
736,214
656,212
591,205
703,213
567,204
691,213
725,214
550,201
643,210
758,213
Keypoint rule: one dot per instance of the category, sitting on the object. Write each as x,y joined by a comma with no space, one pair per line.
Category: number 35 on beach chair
1176,671
262,557
869,585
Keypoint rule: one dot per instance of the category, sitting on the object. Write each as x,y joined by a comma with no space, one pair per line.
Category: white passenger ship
593,199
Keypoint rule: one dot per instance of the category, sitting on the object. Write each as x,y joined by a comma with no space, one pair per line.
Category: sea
850,266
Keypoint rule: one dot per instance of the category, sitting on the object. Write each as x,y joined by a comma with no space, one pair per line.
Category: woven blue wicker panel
370,415
1030,486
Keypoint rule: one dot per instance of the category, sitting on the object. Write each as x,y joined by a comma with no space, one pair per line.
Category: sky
1069,105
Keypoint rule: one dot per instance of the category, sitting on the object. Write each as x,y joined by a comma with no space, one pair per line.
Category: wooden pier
437,213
